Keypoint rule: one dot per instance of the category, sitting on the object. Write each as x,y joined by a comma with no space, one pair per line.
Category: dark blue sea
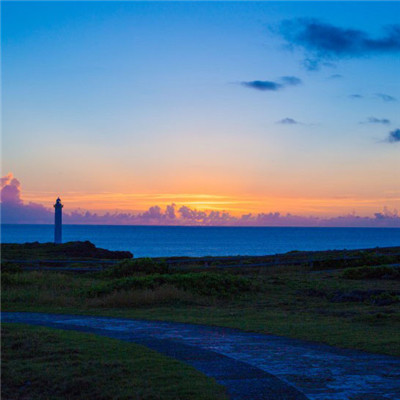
159,241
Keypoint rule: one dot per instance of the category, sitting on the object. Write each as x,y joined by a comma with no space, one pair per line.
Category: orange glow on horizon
235,205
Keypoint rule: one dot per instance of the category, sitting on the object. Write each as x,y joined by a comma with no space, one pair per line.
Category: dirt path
251,366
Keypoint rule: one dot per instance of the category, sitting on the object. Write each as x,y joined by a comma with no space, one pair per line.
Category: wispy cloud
335,76
291,80
273,86
288,121
385,97
355,96
394,136
322,41
373,120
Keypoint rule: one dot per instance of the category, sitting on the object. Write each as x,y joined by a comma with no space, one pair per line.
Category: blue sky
158,100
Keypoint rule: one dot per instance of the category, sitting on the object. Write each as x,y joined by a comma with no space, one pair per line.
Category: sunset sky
243,107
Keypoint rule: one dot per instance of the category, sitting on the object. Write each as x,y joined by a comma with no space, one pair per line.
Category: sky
238,110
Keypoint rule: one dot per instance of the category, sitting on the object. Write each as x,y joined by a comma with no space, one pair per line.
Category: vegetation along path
251,366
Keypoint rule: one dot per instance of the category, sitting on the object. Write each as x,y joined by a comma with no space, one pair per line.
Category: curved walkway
251,366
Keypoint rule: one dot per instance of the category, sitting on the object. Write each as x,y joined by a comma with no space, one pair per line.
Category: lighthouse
58,221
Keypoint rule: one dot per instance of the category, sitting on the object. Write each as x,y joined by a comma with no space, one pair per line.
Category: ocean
164,241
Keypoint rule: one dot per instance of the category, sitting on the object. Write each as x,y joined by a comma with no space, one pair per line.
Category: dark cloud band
328,40
321,41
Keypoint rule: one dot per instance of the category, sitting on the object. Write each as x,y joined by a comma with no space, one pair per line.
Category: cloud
263,85
327,40
335,76
385,97
5,180
313,64
322,41
288,121
394,136
273,85
355,96
291,80
373,120
170,212
10,190
191,217
15,211
382,96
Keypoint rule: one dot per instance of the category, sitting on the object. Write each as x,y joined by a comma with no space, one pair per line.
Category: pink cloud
15,211
10,190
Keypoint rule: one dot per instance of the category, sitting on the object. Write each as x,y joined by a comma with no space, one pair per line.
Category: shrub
136,298
10,267
360,259
68,250
8,279
15,279
203,283
385,299
372,273
127,268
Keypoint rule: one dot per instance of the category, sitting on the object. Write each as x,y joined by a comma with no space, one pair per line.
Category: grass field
350,302
42,363
351,308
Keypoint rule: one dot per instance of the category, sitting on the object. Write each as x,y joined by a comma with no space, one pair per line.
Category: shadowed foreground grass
42,363
353,302
322,306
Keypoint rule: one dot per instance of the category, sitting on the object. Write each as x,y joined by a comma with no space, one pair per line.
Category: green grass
383,272
315,301
289,301
128,267
42,363
203,283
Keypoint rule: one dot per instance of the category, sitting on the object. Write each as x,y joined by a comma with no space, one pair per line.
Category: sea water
160,241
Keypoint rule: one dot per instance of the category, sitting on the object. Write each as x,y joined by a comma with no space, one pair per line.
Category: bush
385,299
162,295
77,249
358,260
203,283
372,273
10,267
127,268
8,279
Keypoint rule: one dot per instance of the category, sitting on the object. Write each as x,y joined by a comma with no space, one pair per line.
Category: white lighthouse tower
58,221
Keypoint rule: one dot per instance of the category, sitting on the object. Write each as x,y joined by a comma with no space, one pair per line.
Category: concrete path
251,366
